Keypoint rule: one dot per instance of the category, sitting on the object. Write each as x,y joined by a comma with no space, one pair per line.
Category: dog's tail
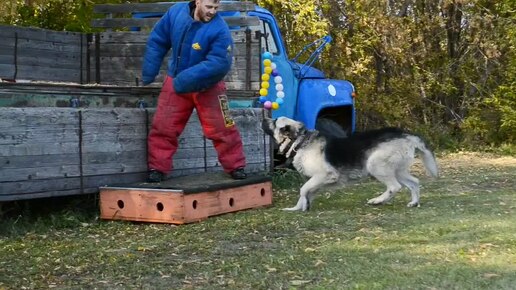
427,156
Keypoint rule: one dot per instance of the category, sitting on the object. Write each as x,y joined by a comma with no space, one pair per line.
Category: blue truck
310,97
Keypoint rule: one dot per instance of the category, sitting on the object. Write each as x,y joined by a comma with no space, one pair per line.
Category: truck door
272,41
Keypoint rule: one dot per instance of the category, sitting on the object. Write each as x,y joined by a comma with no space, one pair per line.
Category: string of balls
270,69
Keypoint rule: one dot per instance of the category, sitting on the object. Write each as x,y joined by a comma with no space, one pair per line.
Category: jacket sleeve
210,71
158,45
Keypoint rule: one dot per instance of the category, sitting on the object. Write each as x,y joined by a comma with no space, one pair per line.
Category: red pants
172,114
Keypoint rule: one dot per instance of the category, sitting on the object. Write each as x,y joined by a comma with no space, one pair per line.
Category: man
201,57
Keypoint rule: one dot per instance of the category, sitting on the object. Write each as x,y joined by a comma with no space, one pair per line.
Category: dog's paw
375,201
295,208
413,204
302,204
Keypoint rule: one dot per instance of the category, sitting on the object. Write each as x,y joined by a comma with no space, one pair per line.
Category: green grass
462,237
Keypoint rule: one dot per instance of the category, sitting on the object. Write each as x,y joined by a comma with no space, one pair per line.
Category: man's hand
147,81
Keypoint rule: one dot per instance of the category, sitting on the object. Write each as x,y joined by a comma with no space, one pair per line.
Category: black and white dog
386,154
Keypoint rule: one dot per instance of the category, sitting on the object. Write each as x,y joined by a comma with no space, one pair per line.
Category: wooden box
184,199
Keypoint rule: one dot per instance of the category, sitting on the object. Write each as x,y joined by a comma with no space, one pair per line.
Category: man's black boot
238,173
155,176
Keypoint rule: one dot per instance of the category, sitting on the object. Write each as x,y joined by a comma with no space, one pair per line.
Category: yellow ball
267,62
267,70
275,105
265,85
263,92
266,77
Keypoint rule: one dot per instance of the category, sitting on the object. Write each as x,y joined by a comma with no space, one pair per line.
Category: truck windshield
268,40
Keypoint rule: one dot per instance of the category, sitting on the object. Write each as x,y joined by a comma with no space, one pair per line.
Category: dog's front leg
300,203
309,188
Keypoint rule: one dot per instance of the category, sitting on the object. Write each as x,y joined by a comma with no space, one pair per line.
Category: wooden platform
184,199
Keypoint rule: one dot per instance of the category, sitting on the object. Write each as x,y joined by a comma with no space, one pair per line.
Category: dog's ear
293,131
286,131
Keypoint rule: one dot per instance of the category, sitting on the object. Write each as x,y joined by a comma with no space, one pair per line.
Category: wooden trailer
73,117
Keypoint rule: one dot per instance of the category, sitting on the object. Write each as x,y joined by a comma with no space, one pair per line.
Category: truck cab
310,97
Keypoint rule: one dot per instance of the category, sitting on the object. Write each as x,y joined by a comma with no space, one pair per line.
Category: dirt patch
478,160
465,161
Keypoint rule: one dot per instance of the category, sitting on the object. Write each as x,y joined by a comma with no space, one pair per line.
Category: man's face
205,9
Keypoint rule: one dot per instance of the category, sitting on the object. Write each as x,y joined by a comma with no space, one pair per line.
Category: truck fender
314,95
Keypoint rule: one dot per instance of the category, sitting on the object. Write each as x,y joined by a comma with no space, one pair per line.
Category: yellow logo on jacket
196,46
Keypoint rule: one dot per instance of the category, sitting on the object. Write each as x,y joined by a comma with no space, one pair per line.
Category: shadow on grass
44,214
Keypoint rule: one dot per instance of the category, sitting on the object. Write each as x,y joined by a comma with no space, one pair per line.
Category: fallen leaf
300,282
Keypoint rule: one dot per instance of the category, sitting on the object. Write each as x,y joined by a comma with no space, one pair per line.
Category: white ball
273,65
280,94
279,87
278,80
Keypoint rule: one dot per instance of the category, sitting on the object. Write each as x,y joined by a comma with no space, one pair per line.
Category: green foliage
300,21
55,14
442,69
68,15
446,69
493,119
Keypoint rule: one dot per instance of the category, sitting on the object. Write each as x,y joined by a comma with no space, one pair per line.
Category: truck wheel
330,128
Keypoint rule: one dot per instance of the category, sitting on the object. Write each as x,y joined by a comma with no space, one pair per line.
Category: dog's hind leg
393,186
308,190
412,183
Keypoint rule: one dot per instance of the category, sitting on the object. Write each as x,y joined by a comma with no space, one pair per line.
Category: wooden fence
116,59
110,58
43,55
65,151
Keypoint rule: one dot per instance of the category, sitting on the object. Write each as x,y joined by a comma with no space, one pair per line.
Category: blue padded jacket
202,53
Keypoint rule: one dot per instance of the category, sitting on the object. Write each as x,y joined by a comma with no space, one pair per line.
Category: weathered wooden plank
48,74
137,50
12,137
7,46
50,60
7,71
44,194
112,116
231,85
44,45
112,168
150,22
39,148
35,173
8,31
91,96
31,161
115,63
95,158
26,117
240,85
95,181
138,37
7,59
39,185
128,77
250,167
163,7
116,37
